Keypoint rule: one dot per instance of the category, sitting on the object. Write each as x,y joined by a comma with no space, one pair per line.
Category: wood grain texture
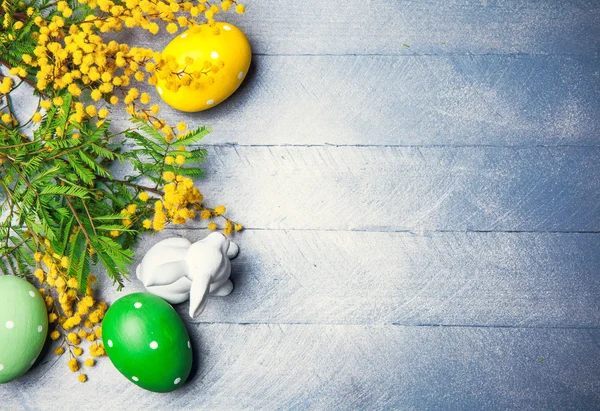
420,182
400,188
417,27
408,100
347,367
458,279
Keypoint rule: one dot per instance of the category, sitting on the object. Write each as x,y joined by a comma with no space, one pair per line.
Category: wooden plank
466,279
407,100
407,188
409,27
335,367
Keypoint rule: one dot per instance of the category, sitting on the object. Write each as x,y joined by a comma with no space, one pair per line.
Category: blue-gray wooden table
420,182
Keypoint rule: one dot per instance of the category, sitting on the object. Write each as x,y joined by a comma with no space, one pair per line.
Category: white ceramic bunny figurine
176,270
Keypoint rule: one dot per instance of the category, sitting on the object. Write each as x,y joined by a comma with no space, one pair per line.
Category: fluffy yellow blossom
97,350
39,274
169,160
77,351
60,283
168,176
96,95
73,365
145,98
54,335
91,111
73,338
147,224
172,28
89,362
143,196
37,117
212,226
59,350
180,159
87,301
82,378
220,210
52,317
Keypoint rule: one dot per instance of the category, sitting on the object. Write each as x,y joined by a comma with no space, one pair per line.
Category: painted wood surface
420,185
408,188
410,100
285,366
378,278
568,27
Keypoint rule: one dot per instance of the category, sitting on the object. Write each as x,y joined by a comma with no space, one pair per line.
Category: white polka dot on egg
241,75
134,378
9,324
189,345
1,367
209,102
177,381
32,294
110,343
154,345
137,305
159,90
214,55
226,28
184,35
40,328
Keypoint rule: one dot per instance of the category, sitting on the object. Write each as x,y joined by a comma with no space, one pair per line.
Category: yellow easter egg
227,49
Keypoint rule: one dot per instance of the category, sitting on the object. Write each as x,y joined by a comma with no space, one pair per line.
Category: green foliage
58,191
152,149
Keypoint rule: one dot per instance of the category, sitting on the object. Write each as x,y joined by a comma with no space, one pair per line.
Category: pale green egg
23,326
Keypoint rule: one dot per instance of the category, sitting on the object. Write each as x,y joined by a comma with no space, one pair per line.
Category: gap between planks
391,230
334,145
399,324
405,54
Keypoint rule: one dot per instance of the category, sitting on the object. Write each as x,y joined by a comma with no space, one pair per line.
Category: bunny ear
199,294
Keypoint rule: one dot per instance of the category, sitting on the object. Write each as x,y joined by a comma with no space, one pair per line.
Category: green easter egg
147,342
23,326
